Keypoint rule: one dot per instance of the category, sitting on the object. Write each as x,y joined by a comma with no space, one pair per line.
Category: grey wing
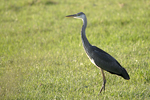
106,61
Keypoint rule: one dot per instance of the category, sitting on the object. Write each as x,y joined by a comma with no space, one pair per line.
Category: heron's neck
85,41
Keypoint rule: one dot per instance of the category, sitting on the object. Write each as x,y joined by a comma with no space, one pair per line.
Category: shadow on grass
18,8
50,3
47,2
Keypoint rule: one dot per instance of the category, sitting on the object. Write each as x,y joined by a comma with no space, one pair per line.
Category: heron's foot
103,87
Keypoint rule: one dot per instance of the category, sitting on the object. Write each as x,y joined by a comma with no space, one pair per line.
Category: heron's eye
79,14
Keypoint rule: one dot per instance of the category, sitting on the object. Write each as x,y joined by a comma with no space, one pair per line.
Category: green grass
41,54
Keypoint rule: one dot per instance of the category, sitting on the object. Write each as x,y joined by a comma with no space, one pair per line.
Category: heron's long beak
74,15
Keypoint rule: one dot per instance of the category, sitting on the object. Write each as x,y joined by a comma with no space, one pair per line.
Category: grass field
41,53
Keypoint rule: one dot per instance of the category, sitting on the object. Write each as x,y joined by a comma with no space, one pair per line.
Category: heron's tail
125,75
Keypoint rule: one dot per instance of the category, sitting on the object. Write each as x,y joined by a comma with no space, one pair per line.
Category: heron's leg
104,81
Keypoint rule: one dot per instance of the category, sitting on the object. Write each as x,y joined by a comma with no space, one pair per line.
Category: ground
42,55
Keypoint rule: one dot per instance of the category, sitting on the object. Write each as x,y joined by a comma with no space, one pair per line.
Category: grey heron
98,57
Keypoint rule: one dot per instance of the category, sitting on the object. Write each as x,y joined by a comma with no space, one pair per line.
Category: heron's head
79,15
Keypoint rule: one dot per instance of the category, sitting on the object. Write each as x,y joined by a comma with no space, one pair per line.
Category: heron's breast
92,60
